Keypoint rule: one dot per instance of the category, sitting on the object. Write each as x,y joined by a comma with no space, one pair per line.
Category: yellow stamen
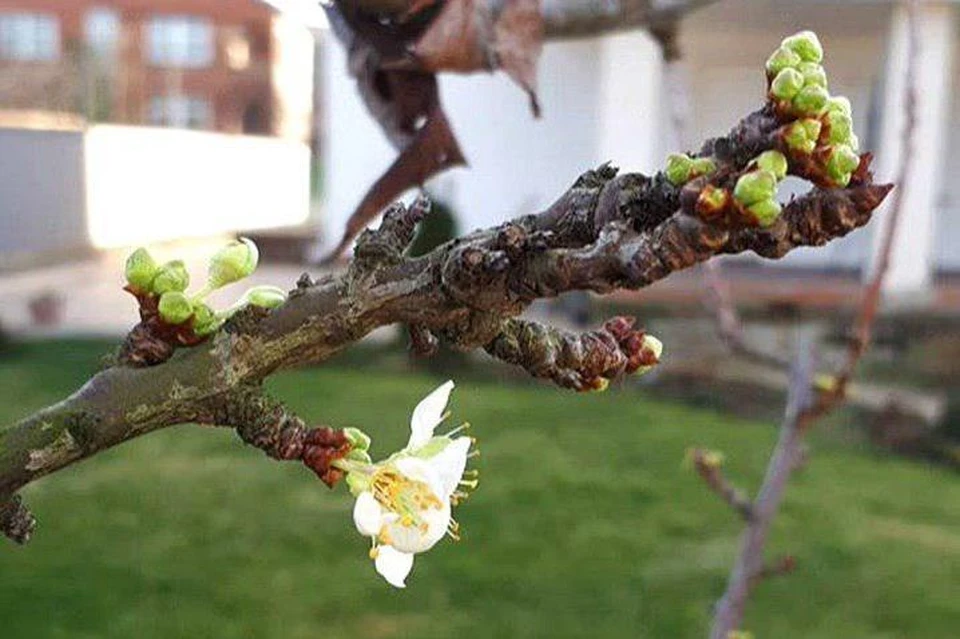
462,427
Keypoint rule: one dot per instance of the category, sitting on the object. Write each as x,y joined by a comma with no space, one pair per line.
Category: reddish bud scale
153,341
712,203
316,447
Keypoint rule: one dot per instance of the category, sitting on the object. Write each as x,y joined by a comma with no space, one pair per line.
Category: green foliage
438,227
586,525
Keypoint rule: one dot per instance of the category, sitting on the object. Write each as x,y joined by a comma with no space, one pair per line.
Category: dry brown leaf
519,42
433,149
466,36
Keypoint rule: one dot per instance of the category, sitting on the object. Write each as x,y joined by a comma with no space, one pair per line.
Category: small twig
727,320
750,561
708,466
16,522
783,566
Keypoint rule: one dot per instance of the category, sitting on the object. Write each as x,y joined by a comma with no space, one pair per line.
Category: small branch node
16,521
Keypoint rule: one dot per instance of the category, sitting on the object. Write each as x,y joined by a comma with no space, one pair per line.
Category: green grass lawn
585,525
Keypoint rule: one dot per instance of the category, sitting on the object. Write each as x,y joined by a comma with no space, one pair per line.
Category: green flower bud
655,345
702,166
766,212
140,269
813,127
782,58
813,73
232,263
787,84
840,127
172,276
361,456
842,162
265,296
175,307
205,320
755,186
805,44
854,142
773,161
841,104
600,385
811,99
679,168
796,138
712,200
358,439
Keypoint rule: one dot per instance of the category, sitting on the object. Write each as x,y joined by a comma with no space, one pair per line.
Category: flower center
404,496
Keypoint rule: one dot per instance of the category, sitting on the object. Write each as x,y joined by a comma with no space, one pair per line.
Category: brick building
233,66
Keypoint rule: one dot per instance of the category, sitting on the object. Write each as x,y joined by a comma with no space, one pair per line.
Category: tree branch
588,18
607,231
750,561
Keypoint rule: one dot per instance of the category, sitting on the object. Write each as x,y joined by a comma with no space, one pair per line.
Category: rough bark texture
606,232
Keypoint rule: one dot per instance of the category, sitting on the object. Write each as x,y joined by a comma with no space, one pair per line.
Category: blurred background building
226,66
136,121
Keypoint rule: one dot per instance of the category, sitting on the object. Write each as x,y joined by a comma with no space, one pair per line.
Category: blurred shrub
438,227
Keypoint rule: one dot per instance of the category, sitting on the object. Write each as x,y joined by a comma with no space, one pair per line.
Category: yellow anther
374,552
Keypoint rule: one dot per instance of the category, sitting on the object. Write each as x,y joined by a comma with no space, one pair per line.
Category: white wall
292,75
150,184
948,221
41,193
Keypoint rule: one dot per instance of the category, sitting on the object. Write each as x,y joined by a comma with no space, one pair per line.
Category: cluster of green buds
756,190
168,283
681,168
825,122
796,75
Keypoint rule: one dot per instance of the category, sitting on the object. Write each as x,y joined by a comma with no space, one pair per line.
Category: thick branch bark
587,18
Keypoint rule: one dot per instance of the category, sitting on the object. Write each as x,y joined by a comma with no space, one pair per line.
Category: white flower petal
427,415
438,521
417,537
450,463
367,515
393,565
421,470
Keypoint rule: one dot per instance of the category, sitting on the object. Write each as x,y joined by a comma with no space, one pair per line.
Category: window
29,36
102,32
180,41
181,111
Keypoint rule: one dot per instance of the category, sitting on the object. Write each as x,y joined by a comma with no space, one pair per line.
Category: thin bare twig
750,562
708,466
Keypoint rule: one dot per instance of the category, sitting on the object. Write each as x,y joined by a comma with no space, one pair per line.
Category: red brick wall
228,91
